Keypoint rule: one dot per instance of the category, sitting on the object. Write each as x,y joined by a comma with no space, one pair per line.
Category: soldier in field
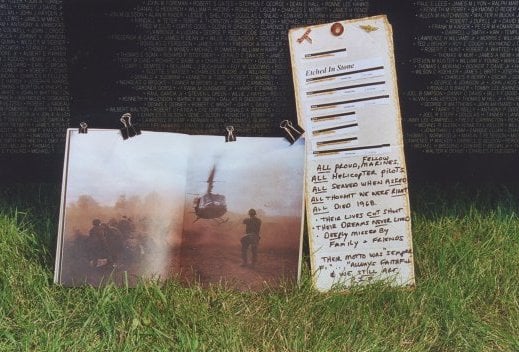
96,243
251,238
114,241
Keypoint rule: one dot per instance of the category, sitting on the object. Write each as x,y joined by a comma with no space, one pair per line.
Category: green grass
467,296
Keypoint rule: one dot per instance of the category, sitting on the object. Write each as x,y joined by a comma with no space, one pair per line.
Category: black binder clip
230,137
128,130
292,132
83,127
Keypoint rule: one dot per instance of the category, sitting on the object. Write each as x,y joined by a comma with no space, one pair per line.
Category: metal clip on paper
128,130
83,127
230,137
292,132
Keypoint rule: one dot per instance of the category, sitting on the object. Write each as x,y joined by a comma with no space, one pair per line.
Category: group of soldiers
113,243
117,243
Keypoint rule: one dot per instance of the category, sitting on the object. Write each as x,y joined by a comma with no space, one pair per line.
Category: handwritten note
356,184
359,220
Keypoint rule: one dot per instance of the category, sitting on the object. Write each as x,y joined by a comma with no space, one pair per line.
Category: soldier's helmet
252,212
96,222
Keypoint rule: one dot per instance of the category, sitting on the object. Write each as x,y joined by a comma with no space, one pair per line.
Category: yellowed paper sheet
356,185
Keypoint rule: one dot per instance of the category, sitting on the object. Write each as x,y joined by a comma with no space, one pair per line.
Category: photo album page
167,205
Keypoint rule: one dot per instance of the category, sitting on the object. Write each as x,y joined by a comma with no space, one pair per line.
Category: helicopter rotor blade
210,179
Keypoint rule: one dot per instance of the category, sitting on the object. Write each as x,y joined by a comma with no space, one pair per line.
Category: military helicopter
210,205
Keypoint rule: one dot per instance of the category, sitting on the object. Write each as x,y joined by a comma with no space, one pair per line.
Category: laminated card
356,186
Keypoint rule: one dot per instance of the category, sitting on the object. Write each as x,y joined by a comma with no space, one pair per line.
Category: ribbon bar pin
305,36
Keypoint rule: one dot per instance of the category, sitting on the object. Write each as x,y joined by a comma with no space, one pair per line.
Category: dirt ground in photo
211,253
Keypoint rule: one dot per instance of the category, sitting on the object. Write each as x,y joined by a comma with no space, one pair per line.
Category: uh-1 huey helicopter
210,205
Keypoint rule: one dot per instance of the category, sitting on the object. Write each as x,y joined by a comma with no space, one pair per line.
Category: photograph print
122,206
172,206
243,213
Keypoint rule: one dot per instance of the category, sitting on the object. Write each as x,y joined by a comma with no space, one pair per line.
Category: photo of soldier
126,226
97,245
117,244
114,241
251,238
